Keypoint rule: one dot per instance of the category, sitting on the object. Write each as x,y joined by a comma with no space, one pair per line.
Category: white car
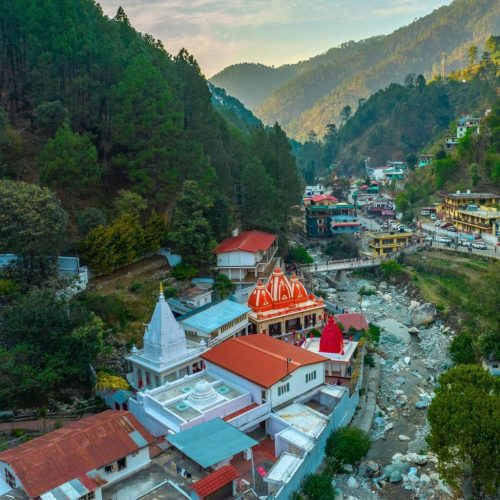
479,245
444,240
433,217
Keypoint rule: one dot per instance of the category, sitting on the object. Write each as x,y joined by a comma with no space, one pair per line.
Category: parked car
437,223
444,240
433,217
479,245
452,229
428,239
463,243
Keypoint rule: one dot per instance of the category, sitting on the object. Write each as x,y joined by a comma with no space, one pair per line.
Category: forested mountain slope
323,85
91,107
404,121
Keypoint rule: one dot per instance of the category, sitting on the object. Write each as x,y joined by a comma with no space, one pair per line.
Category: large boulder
423,314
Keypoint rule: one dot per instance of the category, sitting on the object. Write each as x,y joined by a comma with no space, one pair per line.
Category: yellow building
482,220
455,202
385,243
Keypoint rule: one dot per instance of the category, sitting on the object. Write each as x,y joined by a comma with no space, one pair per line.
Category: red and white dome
299,292
280,289
260,299
332,340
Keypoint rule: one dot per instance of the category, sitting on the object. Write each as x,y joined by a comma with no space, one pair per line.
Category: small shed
212,443
217,485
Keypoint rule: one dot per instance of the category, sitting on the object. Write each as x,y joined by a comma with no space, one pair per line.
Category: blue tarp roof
214,317
211,442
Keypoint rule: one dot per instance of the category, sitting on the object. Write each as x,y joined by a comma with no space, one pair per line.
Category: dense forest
111,147
403,121
318,89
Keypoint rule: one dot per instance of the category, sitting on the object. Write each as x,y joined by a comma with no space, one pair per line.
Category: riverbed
409,366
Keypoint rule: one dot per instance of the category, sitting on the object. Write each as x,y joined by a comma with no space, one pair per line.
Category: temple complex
282,306
166,355
338,350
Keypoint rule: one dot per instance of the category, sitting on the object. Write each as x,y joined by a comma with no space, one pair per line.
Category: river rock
398,458
413,305
425,479
389,426
352,483
402,437
413,330
407,360
421,405
423,314
348,468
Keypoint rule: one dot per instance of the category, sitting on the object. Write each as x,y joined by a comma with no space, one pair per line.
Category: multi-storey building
454,202
385,243
326,217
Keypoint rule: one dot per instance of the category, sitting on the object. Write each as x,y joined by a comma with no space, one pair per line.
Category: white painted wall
134,463
253,389
298,385
239,258
3,484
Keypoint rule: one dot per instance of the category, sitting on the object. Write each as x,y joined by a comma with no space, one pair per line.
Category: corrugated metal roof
211,442
49,461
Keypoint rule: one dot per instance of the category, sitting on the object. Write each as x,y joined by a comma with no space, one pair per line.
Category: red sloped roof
260,358
215,481
80,447
354,320
323,197
249,241
239,412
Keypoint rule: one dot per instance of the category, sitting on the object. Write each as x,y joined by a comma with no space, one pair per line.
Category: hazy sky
223,32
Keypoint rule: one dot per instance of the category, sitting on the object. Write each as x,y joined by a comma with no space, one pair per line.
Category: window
122,463
282,389
310,376
10,479
88,496
263,396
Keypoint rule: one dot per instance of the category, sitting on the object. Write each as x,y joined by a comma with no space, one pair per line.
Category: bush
184,272
299,255
391,269
366,291
347,445
136,286
318,487
462,349
374,332
369,360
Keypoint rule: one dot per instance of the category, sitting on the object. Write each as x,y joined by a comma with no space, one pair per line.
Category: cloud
223,32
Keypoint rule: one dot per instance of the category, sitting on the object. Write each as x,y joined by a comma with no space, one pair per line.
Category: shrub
347,445
462,349
318,486
374,332
369,360
183,272
366,291
391,269
299,255
136,286
170,291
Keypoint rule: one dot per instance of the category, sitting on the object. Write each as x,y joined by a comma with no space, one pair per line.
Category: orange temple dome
280,289
299,292
332,340
260,299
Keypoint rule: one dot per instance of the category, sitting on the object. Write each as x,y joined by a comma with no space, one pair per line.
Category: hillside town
277,282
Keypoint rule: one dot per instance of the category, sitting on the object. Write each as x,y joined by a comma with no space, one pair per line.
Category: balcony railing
251,417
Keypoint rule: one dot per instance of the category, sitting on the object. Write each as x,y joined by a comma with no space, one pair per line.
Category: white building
247,257
245,378
167,355
78,461
220,321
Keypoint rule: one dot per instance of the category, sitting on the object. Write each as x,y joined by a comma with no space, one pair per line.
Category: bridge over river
342,265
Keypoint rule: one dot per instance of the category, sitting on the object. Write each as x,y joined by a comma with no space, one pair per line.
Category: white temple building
167,355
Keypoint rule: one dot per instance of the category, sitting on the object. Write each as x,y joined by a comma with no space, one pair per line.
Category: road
437,232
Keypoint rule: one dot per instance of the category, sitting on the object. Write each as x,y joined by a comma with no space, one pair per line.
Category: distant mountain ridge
310,94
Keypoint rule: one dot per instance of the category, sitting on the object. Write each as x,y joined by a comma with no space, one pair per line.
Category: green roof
213,317
212,442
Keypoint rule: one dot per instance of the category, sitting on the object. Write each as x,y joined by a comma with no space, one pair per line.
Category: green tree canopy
465,425
47,343
462,349
32,225
69,160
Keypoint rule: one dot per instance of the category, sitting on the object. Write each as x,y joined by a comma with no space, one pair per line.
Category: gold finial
161,288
